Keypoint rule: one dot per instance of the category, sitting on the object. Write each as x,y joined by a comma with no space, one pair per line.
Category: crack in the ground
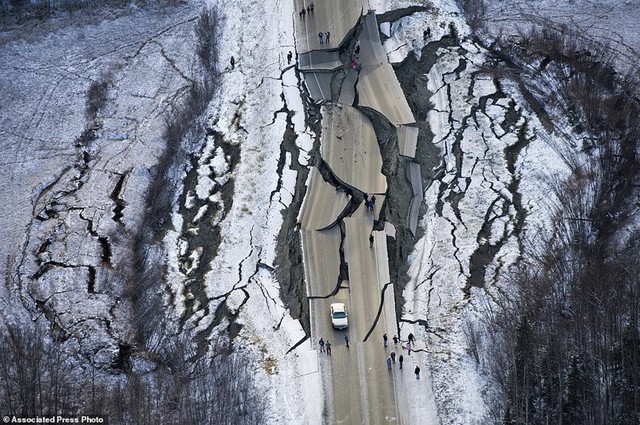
290,274
486,252
172,63
116,197
425,324
297,344
105,245
46,266
237,116
379,313
343,272
397,14
145,42
200,231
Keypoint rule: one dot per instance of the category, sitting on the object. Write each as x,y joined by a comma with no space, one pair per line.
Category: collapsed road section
344,247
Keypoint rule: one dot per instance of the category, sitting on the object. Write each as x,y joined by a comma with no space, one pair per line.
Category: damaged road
343,247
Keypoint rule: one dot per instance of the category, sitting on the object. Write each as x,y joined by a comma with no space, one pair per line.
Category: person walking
393,356
304,12
346,339
395,340
417,372
400,360
328,345
327,35
373,201
232,61
320,36
311,6
371,240
289,57
384,338
321,344
388,363
412,338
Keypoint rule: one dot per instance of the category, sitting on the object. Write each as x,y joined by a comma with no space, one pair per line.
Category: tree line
565,346
40,379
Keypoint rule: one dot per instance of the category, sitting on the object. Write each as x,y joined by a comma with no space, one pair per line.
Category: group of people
391,358
326,35
306,11
326,346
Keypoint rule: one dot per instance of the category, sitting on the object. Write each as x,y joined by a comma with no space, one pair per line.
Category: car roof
337,306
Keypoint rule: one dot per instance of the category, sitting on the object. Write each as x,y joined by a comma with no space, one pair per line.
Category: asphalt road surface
359,388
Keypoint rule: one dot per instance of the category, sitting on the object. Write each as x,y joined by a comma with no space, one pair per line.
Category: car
339,316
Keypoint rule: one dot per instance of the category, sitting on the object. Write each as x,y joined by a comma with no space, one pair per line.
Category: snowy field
60,194
60,191
611,22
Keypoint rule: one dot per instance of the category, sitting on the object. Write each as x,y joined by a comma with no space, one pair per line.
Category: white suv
339,316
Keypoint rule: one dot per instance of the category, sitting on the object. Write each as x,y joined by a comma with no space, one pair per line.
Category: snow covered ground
611,22
61,168
54,211
249,112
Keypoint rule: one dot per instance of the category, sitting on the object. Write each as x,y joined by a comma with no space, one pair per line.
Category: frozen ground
61,195
612,22
62,168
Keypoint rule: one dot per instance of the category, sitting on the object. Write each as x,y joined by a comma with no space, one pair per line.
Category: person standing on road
327,35
311,6
371,240
304,12
393,356
320,36
289,57
321,344
400,360
417,372
346,339
328,348
388,363
412,338
395,340
384,338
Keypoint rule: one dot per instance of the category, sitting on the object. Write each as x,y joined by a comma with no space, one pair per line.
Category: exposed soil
411,74
289,266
